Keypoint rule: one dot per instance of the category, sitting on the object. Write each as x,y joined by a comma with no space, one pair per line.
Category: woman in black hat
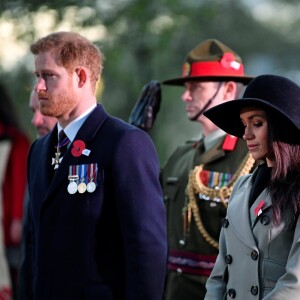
259,254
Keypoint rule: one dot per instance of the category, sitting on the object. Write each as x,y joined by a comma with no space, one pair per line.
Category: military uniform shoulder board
229,142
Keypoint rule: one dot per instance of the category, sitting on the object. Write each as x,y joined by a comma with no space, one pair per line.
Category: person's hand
15,231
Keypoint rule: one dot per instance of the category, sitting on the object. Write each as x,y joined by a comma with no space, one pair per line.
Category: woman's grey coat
256,260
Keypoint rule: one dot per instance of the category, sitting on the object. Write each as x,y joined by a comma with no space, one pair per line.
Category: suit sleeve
142,215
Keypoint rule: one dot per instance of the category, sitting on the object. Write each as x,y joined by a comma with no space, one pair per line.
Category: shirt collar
72,128
213,138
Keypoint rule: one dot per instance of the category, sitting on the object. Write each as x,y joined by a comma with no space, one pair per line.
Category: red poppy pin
259,207
228,61
78,147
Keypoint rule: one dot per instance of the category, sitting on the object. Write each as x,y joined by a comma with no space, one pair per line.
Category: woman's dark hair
284,185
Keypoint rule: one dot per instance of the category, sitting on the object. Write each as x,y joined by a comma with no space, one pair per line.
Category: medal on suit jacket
82,178
57,159
82,175
81,187
61,148
72,186
73,178
92,173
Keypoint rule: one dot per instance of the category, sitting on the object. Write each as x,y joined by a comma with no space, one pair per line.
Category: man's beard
57,104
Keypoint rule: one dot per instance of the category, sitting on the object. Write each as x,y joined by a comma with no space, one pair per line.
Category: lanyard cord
208,103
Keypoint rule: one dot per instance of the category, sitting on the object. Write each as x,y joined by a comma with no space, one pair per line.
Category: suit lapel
86,133
47,152
238,214
264,202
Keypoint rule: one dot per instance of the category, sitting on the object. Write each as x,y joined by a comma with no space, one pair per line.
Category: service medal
92,172
73,177
72,187
56,160
91,187
81,188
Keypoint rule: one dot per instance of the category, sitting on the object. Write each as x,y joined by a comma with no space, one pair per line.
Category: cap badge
186,69
228,61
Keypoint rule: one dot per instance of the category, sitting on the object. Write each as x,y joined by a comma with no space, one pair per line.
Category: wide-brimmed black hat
277,95
214,61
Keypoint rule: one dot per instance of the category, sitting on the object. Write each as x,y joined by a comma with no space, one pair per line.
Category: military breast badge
56,160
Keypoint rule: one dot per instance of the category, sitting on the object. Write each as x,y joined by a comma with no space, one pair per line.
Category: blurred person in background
5,280
13,183
43,125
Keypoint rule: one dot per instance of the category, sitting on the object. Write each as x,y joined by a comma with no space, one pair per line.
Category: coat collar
261,204
213,153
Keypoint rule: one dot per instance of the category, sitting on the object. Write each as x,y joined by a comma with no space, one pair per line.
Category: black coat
108,244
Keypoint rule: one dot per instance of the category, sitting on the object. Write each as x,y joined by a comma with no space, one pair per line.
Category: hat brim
182,80
227,116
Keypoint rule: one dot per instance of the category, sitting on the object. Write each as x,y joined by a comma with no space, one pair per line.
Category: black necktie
63,142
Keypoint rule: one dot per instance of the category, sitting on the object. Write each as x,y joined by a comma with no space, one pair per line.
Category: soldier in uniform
198,177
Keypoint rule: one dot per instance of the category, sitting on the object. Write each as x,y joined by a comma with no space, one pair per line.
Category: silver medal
91,186
72,187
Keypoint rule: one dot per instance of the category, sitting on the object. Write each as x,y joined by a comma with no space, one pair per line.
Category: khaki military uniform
257,260
191,254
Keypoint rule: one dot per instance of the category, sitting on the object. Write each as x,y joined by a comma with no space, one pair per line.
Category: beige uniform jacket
256,259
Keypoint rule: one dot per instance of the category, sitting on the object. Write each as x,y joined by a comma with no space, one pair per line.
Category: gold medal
81,187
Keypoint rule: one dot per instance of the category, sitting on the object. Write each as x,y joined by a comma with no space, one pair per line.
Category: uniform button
225,223
228,259
181,243
254,255
254,289
265,220
231,293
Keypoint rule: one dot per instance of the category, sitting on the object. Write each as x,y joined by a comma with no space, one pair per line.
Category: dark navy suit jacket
109,244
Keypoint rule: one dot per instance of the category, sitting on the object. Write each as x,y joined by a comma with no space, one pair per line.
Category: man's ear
81,75
229,90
